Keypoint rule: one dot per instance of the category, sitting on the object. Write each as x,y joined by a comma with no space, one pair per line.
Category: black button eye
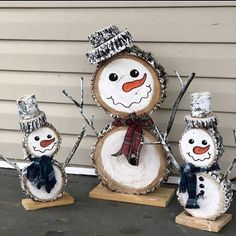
134,73
191,141
113,77
49,136
36,138
204,142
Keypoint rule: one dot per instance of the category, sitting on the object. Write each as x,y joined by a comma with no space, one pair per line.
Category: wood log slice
40,194
128,83
118,174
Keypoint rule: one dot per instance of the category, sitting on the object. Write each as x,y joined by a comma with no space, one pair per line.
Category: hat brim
110,48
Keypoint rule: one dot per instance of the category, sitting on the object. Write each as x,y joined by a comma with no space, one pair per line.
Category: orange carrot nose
200,150
45,143
134,84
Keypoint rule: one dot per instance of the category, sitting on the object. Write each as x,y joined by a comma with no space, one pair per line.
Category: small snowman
129,84
203,191
45,178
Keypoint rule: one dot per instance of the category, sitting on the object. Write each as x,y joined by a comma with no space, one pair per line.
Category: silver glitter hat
108,42
31,117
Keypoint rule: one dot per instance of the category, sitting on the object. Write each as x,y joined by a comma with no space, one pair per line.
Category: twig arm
12,163
234,133
177,101
80,107
230,168
76,145
167,149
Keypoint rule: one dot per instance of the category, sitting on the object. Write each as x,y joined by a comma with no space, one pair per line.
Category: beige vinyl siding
43,47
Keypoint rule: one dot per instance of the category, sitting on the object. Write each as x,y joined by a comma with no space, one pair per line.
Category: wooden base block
209,225
30,204
160,197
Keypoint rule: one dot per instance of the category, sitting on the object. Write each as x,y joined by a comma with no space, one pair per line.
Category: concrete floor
88,216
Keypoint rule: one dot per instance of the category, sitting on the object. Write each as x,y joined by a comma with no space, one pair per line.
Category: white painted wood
70,57
160,24
112,4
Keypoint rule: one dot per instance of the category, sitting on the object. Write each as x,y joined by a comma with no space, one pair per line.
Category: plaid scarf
188,182
131,146
40,173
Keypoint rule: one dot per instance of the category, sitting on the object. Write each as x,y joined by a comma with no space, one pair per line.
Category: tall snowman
128,84
44,179
203,191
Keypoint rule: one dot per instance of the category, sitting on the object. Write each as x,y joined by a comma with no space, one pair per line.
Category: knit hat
108,42
31,117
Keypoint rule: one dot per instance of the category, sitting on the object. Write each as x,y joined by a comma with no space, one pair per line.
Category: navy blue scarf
41,173
188,182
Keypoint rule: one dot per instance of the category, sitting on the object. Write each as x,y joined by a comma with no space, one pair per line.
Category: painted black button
201,178
201,185
202,192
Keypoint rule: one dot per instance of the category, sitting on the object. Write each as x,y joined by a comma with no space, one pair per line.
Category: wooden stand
160,197
208,225
30,204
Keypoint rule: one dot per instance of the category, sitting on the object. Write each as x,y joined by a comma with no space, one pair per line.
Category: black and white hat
201,111
31,117
108,42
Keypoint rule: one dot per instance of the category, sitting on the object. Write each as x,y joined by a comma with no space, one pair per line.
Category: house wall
43,47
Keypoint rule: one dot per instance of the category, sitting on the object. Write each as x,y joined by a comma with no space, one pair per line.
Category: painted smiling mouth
119,103
49,149
198,159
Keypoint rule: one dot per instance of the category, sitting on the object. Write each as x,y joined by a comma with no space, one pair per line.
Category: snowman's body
41,194
204,192
129,82
118,174
214,199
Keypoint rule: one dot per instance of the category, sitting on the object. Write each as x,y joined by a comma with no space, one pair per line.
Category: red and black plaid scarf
132,145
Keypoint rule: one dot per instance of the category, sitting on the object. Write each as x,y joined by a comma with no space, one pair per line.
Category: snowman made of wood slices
128,84
44,179
203,191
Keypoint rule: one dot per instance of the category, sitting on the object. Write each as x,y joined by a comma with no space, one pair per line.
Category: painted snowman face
198,147
127,84
43,141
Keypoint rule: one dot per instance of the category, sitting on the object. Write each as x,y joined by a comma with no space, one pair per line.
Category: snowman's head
199,147
43,141
128,83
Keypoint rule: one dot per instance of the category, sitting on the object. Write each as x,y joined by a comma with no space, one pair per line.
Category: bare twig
12,163
76,145
178,76
167,149
177,101
230,168
234,132
80,107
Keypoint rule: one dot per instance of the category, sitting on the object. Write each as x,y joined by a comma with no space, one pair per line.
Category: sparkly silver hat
31,117
108,42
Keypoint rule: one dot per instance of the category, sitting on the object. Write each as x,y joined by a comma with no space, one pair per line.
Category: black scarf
41,173
188,181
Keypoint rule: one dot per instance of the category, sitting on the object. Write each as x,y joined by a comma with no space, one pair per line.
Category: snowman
128,84
44,179
203,191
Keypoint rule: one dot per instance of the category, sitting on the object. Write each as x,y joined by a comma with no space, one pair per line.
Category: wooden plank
207,225
173,24
111,4
205,60
48,88
160,197
31,205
